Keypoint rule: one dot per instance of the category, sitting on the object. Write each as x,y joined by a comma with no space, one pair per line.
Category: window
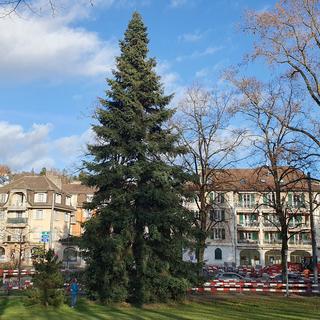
2,251
72,219
269,199
295,221
68,201
246,200
87,213
66,217
220,197
248,236
218,254
296,200
89,197
272,237
217,197
249,220
271,220
2,215
70,254
218,234
38,215
58,198
3,197
217,215
40,197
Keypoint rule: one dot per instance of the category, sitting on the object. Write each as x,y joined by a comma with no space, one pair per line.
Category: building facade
248,233
40,212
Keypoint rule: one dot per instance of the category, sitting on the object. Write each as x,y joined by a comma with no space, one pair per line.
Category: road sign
45,236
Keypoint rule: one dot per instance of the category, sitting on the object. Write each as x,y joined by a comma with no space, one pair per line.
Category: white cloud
177,3
192,36
171,81
24,149
46,47
198,54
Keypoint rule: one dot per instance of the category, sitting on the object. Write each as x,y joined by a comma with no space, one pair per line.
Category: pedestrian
74,290
306,273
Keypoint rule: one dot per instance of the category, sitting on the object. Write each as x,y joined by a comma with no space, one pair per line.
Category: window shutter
255,235
222,195
240,200
241,218
222,215
290,199
252,199
265,198
223,234
211,215
241,236
266,236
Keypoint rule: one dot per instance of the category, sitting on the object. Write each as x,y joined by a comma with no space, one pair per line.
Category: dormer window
3,197
40,197
58,198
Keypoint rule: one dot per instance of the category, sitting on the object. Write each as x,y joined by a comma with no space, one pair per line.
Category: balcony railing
17,220
272,241
17,206
246,205
248,241
299,225
249,224
270,224
300,242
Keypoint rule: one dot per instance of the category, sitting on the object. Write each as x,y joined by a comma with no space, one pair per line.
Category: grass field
197,308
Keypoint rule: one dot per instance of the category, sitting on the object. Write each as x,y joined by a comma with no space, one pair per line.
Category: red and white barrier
256,286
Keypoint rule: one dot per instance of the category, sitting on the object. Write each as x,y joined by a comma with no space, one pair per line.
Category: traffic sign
45,236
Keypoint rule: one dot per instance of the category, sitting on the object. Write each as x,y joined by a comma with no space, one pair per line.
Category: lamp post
287,276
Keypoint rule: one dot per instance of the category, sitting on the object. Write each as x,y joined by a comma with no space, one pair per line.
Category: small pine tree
134,241
48,281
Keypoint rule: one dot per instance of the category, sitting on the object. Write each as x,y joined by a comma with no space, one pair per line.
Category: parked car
230,276
292,277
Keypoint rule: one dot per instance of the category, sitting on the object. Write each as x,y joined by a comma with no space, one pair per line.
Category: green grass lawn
218,307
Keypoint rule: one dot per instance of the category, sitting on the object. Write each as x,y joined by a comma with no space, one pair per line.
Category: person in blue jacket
74,290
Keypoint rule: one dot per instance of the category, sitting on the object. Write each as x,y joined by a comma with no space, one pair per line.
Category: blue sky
54,68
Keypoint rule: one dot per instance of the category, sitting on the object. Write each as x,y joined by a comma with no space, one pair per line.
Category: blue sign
45,236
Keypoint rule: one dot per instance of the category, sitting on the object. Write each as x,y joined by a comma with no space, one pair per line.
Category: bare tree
289,35
9,7
282,157
202,124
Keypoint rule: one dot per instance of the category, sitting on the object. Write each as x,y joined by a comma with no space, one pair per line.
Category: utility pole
313,233
51,221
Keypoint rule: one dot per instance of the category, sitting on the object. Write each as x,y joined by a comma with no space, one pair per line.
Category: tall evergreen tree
133,244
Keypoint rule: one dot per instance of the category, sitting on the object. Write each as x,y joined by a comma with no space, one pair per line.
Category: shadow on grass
3,305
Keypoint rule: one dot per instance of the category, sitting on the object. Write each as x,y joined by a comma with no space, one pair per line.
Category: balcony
300,242
248,241
269,224
16,221
272,241
298,225
17,206
246,205
249,224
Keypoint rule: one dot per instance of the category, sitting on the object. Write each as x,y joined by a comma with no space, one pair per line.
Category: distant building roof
36,183
258,179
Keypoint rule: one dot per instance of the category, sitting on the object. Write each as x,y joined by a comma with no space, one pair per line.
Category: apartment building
39,212
247,233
